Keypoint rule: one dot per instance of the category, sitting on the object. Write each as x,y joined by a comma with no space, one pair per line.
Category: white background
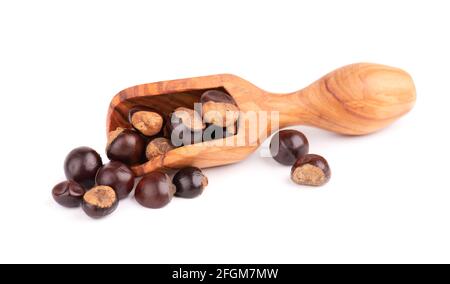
62,61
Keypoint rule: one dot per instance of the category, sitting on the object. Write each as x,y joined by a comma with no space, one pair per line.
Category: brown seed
100,201
155,190
157,147
81,165
68,194
126,146
219,108
148,123
311,170
189,118
185,127
112,135
287,146
213,132
118,176
190,182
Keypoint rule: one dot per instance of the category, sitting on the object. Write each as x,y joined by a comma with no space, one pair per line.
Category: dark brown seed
81,165
118,176
126,146
100,201
190,182
68,194
287,146
155,190
311,170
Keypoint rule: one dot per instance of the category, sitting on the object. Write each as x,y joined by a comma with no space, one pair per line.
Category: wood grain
354,100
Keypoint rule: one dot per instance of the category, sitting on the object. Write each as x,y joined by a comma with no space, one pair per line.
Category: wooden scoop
353,100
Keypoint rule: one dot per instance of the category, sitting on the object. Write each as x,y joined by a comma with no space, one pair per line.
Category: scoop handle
355,100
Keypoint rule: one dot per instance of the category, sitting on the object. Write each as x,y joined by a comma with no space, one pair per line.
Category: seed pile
98,187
